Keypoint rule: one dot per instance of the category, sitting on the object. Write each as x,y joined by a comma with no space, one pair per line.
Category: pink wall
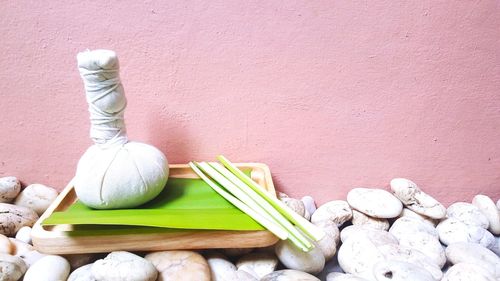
330,94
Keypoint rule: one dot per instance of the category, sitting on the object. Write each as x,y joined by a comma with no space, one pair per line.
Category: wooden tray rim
55,240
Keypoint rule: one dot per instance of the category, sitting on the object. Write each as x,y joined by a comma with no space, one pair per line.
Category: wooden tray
60,239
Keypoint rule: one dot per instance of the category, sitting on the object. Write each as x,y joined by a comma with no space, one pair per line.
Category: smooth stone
12,268
406,225
288,275
467,272
258,264
241,275
489,209
48,268
474,254
337,211
374,202
309,204
328,244
294,258
9,189
295,204
416,200
24,234
452,230
405,254
223,270
20,247
37,197
498,204
358,254
220,267
377,236
495,248
468,214
180,265
411,214
427,244
6,246
13,217
339,276
83,273
359,218
123,266
31,257
79,260
400,271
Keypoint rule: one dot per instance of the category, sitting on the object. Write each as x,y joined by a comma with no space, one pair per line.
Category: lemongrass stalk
243,197
308,228
263,204
271,226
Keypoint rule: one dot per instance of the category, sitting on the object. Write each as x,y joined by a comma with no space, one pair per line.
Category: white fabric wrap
113,173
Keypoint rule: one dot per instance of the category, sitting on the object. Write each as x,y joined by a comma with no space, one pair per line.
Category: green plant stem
271,226
308,228
257,199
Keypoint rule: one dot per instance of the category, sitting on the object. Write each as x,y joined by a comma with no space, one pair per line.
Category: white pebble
6,246
48,268
180,265
374,202
409,213
377,236
37,197
392,270
357,255
337,211
451,230
9,189
11,268
339,276
417,200
328,244
475,254
83,273
294,258
24,234
289,275
427,244
467,272
488,208
13,217
295,204
495,248
405,254
124,266
258,264
220,267
359,218
407,225
31,257
468,214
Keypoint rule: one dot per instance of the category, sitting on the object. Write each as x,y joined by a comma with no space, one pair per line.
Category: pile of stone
375,234
404,234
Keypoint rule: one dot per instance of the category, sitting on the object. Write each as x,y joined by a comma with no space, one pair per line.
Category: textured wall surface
330,94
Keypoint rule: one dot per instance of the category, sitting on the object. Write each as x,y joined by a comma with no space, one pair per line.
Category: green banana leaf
183,204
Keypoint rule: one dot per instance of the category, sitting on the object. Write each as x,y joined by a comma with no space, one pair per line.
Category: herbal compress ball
113,173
